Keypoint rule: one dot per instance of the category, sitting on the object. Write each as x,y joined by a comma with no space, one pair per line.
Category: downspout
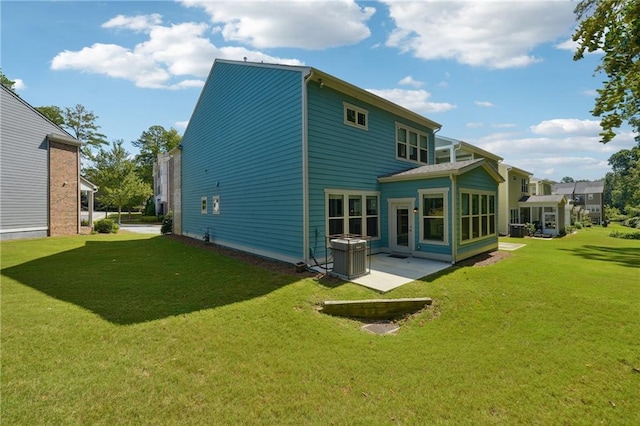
508,198
305,170
454,225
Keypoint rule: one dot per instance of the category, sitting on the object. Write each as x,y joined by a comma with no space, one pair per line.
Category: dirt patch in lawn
485,259
261,262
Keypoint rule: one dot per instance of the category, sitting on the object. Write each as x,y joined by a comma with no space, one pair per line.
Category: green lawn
135,329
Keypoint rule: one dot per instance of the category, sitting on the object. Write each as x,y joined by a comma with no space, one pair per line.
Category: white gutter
454,216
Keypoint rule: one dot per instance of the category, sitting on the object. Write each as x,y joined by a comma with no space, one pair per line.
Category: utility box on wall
349,257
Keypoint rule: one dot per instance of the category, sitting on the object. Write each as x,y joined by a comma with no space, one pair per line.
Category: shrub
626,235
570,229
167,224
106,226
578,225
84,222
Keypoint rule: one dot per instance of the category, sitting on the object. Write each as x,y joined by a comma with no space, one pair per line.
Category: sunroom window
478,215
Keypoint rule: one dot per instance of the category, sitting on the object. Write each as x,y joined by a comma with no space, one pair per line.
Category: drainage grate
382,328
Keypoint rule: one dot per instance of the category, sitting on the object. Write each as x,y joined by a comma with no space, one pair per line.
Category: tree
612,26
6,82
82,123
53,113
152,142
114,173
567,179
622,186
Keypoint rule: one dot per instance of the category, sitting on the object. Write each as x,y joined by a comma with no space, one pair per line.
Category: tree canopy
6,82
114,171
152,142
53,113
612,27
622,186
567,179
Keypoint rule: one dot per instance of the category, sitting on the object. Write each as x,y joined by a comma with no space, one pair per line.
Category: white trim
479,192
37,228
306,245
357,110
396,202
419,133
346,193
445,194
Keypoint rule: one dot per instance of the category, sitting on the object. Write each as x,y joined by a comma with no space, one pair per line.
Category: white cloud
409,81
182,124
170,53
474,125
487,34
140,23
293,23
483,104
19,84
414,100
567,126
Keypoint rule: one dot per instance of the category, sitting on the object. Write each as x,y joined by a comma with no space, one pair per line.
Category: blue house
277,158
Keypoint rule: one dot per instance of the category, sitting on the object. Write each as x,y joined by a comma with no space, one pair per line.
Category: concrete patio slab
389,272
510,246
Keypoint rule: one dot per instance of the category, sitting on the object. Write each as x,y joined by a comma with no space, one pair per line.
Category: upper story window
590,197
411,145
356,117
524,185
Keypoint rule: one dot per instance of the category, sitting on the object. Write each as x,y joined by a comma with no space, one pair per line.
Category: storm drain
382,328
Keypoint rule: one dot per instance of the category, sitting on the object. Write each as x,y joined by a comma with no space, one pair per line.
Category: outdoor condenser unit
349,257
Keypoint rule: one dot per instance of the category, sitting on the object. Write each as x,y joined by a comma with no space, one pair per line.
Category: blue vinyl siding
479,180
244,144
409,189
345,157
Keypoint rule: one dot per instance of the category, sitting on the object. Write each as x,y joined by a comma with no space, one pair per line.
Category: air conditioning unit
349,257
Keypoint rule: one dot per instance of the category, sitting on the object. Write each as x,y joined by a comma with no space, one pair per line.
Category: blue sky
499,75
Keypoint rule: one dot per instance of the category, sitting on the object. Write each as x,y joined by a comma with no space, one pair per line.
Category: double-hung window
433,213
355,116
353,213
478,215
524,185
411,145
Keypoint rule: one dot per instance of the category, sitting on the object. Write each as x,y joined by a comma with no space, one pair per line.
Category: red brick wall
64,189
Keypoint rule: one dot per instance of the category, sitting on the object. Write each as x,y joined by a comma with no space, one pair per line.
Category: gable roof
443,169
508,168
589,187
327,80
563,188
63,136
542,199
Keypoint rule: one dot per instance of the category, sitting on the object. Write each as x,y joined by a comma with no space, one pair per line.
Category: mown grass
134,329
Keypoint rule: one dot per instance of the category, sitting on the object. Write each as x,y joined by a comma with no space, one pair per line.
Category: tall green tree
152,142
6,82
82,124
612,26
114,171
622,186
53,113
567,179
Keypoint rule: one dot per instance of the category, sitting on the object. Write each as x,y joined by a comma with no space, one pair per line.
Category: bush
570,229
84,222
167,224
578,225
625,235
106,226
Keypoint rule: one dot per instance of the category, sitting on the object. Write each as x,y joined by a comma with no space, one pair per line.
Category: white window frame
358,112
407,144
445,196
524,185
203,205
514,218
345,193
480,215
215,204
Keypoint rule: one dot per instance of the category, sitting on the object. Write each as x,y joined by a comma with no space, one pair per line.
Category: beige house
514,187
